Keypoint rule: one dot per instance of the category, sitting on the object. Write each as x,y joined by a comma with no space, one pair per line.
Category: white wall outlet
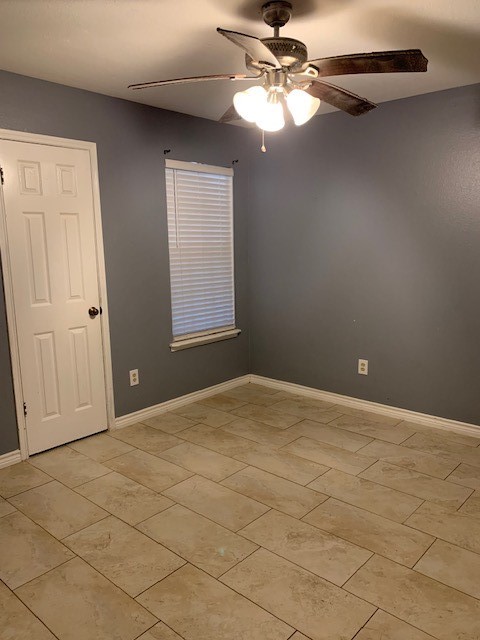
363,367
134,379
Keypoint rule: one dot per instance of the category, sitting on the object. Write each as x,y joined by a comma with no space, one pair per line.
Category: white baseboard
366,405
149,412
12,457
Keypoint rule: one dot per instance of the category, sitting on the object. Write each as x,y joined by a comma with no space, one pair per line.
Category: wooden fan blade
230,115
253,46
220,76
340,98
407,61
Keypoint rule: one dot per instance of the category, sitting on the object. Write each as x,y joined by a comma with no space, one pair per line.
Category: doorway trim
91,147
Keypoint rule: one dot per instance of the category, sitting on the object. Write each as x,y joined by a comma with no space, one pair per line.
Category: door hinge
2,178
24,408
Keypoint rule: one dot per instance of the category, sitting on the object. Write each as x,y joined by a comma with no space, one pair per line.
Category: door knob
93,312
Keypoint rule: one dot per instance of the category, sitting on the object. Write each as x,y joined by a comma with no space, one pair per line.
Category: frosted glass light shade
259,106
302,106
250,103
271,117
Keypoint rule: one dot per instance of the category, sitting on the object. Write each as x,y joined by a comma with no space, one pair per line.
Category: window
200,240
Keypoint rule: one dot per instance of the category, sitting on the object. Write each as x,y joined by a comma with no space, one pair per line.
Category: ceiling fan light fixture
302,106
260,106
250,103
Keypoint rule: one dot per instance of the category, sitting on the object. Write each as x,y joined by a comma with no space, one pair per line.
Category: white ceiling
104,45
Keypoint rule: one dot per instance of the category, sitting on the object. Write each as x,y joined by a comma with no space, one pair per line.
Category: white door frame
91,147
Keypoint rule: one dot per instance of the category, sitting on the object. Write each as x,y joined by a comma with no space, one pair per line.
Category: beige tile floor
252,515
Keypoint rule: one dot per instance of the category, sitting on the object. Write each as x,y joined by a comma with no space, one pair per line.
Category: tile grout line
76,555
424,553
7,499
24,584
407,449
154,584
307,487
472,491
445,584
275,553
413,512
231,589
425,475
315,575
207,517
251,464
424,576
241,560
247,464
352,504
28,608
150,628
259,546
115,586
364,625
154,625
205,446
188,561
257,442
108,514
409,623
221,485
230,474
60,540
159,492
320,444
357,544
449,456
410,495
301,519
453,471
135,448
257,499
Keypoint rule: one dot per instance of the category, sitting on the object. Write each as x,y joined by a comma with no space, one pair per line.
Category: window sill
179,345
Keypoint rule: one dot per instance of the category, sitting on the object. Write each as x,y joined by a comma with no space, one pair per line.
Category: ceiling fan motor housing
289,52
277,13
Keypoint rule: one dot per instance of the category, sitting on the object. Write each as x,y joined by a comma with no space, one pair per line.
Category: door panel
36,250
51,237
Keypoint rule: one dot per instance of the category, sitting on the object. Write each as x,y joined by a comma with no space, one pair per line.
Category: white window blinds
200,238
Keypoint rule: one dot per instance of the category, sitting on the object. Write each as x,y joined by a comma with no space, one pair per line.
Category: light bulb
271,117
250,103
302,106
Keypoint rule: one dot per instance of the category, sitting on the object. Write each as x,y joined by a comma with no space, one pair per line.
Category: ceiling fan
292,87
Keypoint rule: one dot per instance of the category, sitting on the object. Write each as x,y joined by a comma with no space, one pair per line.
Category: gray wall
365,243
130,142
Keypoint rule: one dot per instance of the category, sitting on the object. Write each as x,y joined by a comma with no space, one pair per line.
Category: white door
48,200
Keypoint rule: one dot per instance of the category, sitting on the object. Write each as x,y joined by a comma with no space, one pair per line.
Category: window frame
208,336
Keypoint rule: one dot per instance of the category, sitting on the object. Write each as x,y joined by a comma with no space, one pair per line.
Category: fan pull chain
263,147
